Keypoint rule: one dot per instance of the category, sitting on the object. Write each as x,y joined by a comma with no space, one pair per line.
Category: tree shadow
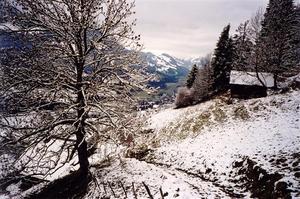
72,186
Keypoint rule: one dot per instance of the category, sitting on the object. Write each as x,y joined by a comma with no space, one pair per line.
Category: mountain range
167,68
170,71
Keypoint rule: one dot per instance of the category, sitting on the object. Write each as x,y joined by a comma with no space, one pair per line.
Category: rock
208,170
297,174
262,184
237,164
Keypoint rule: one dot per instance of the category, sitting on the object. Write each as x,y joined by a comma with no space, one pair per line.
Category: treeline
268,42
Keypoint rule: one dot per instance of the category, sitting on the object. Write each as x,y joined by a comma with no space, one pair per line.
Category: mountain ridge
167,68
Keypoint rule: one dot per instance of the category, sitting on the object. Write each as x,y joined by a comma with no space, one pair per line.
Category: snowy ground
197,149
271,132
208,139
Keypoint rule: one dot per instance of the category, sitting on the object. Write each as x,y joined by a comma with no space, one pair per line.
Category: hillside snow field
242,149
245,149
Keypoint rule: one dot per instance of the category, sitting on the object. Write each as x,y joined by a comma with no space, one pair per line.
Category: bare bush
184,97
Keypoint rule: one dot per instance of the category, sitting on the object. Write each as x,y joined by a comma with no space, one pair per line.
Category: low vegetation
241,112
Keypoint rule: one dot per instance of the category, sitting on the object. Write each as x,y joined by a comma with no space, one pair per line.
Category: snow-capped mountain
169,69
164,62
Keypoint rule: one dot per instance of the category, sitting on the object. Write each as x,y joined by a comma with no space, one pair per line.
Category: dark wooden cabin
246,85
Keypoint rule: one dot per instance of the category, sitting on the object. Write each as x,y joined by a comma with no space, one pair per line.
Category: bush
184,97
139,152
241,112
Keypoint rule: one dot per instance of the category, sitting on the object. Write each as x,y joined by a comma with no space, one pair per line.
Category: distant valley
170,73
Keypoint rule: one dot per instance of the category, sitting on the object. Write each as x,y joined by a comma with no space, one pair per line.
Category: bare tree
254,34
255,25
243,47
67,76
203,83
247,54
206,60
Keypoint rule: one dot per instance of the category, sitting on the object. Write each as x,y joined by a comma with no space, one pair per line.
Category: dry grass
219,115
241,112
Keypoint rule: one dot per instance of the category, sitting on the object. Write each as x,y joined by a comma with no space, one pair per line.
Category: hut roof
250,78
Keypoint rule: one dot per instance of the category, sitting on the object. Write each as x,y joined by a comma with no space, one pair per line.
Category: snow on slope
164,62
175,183
265,130
200,145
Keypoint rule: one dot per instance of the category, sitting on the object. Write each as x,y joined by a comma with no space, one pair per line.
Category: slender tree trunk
81,143
257,76
275,81
80,138
82,152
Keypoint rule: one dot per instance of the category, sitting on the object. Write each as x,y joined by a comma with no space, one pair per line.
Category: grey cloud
189,28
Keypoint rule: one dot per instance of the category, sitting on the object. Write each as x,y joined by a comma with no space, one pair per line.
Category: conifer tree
192,76
222,61
278,40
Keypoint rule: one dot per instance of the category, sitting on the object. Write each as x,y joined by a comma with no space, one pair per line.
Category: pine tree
278,40
192,76
222,61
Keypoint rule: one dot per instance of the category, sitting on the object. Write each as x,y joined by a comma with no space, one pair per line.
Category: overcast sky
189,28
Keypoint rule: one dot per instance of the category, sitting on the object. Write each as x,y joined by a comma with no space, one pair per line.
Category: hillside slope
214,150
247,149
216,136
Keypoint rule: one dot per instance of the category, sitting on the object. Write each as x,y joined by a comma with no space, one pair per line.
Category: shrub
219,114
241,112
184,97
139,152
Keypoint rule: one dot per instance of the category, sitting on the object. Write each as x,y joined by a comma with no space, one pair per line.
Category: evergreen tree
222,61
278,40
192,76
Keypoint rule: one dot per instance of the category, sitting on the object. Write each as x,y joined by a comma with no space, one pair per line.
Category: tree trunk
275,81
81,143
82,152
259,79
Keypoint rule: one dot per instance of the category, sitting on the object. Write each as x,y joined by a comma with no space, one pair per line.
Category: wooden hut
246,85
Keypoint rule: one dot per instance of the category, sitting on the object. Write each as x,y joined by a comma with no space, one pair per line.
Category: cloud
189,28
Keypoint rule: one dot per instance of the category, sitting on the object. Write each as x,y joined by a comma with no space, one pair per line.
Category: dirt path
197,181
